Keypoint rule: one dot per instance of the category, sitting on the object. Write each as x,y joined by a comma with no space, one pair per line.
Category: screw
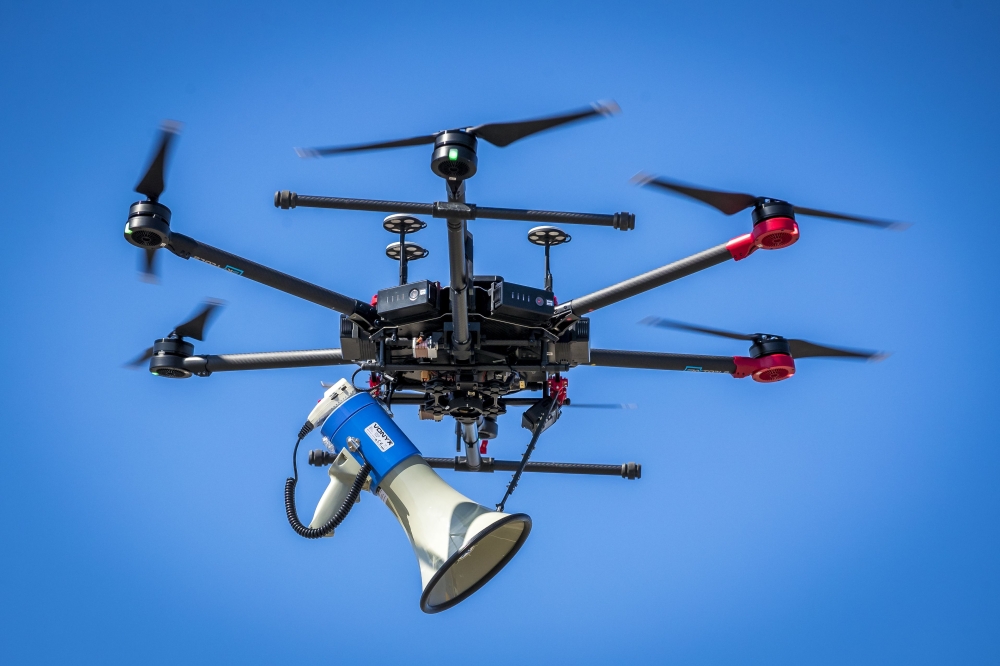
353,443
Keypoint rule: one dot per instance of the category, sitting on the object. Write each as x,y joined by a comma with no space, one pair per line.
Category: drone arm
455,210
185,247
615,358
579,307
205,365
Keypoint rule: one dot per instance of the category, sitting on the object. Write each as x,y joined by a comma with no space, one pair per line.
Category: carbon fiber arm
455,210
579,307
185,247
205,365
614,358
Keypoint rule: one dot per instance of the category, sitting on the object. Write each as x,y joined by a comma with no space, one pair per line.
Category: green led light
127,230
155,373
453,154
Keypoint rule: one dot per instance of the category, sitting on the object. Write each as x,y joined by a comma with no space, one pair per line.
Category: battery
409,302
519,304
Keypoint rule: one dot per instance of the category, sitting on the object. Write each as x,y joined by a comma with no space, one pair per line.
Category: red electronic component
375,301
482,447
771,234
557,388
765,369
374,379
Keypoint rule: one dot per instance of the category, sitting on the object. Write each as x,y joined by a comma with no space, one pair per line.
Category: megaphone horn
460,545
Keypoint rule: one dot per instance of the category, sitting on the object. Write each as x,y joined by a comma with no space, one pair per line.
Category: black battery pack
409,302
520,304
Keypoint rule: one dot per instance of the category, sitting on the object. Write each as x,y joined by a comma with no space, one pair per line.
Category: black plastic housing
354,343
769,346
168,358
573,347
454,155
765,210
148,224
521,304
409,302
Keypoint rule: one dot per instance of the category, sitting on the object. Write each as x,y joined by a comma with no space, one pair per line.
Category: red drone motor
774,227
770,360
765,369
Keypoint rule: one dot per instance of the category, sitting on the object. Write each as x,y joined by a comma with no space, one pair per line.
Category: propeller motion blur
466,348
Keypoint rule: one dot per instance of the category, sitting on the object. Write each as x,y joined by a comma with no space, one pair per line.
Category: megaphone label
377,435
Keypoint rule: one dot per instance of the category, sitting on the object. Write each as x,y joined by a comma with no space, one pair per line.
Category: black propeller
731,203
152,185
599,405
796,348
147,265
192,328
499,134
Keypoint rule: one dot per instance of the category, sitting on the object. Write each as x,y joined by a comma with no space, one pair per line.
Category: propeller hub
148,224
454,156
765,209
168,358
765,345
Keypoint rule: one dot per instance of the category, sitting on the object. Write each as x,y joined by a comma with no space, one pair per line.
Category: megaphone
460,545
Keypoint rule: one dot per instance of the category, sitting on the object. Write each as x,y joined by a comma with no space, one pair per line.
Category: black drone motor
765,345
454,156
148,225
168,358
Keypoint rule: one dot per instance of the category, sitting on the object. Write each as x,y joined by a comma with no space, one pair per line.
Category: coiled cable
337,518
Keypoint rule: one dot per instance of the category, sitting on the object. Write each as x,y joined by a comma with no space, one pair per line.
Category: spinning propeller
192,328
765,343
498,134
151,186
731,203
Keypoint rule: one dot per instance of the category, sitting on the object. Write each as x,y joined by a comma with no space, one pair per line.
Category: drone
472,346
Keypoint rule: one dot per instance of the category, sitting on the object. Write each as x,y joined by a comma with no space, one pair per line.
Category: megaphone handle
536,431
337,518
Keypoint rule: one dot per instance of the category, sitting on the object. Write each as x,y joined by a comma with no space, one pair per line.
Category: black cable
527,454
370,388
337,518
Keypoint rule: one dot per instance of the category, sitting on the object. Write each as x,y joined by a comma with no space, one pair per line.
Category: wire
337,518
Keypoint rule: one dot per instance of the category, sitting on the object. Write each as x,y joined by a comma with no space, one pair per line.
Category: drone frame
468,355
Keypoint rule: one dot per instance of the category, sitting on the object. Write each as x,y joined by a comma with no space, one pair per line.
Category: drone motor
774,225
148,225
168,358
454,156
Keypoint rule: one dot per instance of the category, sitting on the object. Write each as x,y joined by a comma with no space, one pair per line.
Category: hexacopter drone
468,349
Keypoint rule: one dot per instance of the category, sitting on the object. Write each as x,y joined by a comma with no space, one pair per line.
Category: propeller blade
680,326
152,183
504,134
601,405
147,270
195,327
806,349
881,224
499,134
729,203
139,360
336,150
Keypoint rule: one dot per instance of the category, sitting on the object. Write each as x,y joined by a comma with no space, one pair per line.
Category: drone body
466,347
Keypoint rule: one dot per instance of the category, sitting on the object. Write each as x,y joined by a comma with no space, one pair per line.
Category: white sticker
377,435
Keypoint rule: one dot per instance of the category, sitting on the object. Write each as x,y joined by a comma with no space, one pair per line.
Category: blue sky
846,516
